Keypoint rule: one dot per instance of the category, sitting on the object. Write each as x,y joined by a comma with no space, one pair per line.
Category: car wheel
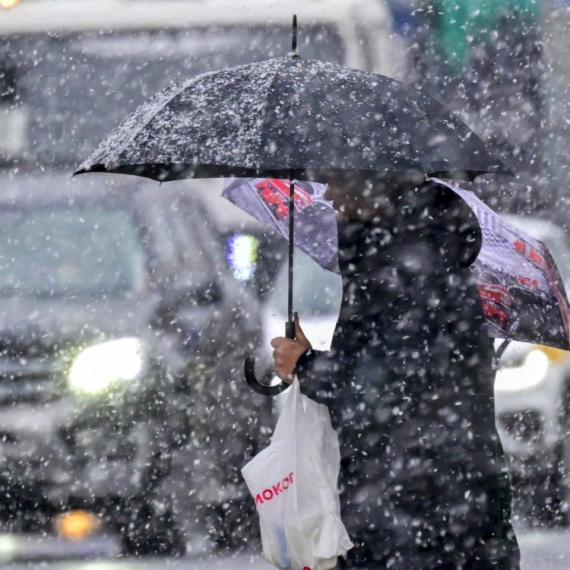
151,534
233,526
546,503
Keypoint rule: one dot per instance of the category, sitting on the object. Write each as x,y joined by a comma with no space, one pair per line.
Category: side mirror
7,84
194,290
186,292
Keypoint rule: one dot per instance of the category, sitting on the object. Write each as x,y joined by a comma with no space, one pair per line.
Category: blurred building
556,28
484,60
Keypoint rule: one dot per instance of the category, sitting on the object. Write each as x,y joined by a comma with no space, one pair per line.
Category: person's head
367,196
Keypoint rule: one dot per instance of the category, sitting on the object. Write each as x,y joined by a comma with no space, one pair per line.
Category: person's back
410,386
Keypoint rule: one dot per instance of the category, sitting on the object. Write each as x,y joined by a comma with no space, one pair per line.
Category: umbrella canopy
521,290
267,200
291,114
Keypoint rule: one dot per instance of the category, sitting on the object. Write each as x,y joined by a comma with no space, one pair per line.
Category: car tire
233,526
152,534
546,504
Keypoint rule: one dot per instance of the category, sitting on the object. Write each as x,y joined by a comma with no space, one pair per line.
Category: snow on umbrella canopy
290,113
289,118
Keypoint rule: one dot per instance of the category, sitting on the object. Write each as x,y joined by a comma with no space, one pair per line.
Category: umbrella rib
264,123
155,110
397,122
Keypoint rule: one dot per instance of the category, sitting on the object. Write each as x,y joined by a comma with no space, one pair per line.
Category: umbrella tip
294,38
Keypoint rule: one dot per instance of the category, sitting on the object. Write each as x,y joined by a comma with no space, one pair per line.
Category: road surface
541,550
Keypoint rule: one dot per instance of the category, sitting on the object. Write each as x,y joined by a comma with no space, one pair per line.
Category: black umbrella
290,118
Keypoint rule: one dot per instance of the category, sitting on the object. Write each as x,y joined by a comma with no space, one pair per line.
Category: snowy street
150,564
541,550
545,550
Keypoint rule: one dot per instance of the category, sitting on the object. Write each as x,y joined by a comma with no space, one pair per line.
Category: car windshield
316,292
61,95
66,251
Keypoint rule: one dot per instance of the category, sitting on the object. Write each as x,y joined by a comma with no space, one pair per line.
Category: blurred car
532,401
121,325
157,457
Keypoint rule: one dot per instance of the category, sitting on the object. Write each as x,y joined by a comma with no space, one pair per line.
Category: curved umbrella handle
257,386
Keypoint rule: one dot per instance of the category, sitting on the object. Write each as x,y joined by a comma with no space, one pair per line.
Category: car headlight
100,366
530,373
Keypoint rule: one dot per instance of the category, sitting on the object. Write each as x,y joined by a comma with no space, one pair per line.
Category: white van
70,71
356,33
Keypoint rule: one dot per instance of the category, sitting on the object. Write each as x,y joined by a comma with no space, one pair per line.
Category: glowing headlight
102,365
8,3
529,374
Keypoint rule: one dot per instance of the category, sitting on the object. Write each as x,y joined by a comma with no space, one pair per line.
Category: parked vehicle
150,454
120,326
532,399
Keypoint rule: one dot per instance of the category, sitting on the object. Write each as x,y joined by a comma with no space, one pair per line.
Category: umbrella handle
257,386
290,329
249,369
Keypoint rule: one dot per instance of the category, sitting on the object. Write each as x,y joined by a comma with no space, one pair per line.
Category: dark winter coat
409,384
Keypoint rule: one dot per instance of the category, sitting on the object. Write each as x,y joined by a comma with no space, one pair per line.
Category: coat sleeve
305,363
315,370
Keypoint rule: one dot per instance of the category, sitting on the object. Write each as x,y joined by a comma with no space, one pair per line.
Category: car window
173,241
187,227
64,251
65,93
316,292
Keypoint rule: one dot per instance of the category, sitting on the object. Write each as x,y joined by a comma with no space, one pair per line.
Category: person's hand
287,352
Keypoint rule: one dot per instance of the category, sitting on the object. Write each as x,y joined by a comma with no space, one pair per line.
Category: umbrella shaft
294,36
291,251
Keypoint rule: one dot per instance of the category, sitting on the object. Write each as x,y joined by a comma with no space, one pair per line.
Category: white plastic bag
294,484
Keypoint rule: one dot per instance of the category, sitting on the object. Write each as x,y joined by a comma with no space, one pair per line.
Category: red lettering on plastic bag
274,490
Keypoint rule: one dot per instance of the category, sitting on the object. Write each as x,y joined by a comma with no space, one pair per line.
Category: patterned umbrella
519,284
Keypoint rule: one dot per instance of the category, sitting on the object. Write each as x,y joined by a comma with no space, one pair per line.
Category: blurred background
127,307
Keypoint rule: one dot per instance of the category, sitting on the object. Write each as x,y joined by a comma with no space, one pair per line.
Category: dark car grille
524,426
27,379
16,348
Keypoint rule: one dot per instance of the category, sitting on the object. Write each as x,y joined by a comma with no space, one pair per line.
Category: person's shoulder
453,219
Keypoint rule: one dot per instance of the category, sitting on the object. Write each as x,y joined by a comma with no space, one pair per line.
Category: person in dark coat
409,383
